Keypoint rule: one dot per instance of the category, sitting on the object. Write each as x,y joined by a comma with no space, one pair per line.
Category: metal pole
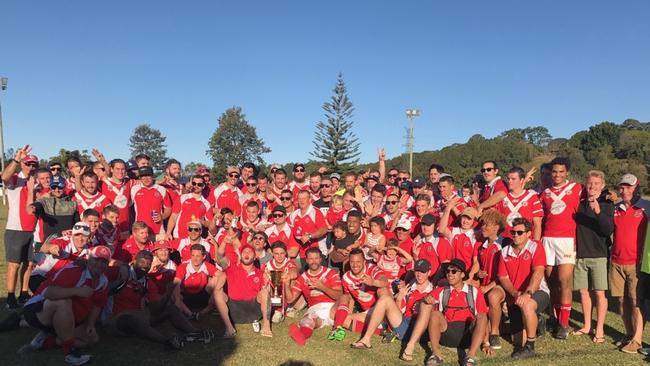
411,126
3,86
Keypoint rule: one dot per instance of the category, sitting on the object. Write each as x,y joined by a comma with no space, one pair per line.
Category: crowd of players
375,252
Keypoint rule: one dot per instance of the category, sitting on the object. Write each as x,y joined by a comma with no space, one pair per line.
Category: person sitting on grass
455,316
279,262
401,311
67,305
136,305
321,287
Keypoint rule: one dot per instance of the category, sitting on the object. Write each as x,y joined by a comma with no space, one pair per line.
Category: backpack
446,292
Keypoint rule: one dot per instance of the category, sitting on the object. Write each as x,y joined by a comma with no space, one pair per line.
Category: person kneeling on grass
66,307
136,304
455,315
399,311
321,287
248,298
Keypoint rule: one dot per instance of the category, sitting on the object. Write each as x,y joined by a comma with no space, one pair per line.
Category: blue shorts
404,329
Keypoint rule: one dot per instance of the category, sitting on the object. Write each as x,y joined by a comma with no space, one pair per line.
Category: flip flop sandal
598,340
407,357
580,332
266,333
360,345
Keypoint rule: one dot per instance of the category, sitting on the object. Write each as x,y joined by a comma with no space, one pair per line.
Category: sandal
598,340
434,360
580,332
266,333
360,345
229,335
407,357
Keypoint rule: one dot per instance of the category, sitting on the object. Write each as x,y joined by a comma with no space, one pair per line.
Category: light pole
411,114
3,86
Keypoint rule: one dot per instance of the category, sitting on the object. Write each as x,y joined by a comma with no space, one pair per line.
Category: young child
375,240
343,243
393,260
335,213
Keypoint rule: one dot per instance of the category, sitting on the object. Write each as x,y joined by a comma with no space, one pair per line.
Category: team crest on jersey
524,204
568,192
256,279
638,214
526,256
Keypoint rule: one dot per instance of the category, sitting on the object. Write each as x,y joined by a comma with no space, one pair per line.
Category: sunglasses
403,179
518,232
325,185
55,169
452,271
285,198
198,184
193,229
299,170
258,238
233,175
31,165
483,170
391,202
278,215
251,184
392,175
56,188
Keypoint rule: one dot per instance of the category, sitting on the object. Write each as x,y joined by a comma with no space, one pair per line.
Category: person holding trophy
279,270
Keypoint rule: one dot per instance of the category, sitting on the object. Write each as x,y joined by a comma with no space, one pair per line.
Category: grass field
249,348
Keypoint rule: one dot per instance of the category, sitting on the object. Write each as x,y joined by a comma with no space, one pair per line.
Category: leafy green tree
335,144
150,141
234,142
65,154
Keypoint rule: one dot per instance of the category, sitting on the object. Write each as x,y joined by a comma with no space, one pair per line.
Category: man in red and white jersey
251,221
42,180
279,185
139,240
434,248
187,207
208,189
299,181
494,190
117,187
171,179
422,207
59,252
182,246
560,203
251,194
151,201
282,231
196,284
521,275
363,284
248,170
89,196
309,224
227,194
19,232
315,179
463,237
163,269
520,202
447,187
73,166
66,307
321,287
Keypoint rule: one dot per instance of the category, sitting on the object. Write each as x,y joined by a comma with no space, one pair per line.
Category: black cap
131,164
458,264
279,208
419,182
145,171
405,185
428,219
373,177
296,165
422,265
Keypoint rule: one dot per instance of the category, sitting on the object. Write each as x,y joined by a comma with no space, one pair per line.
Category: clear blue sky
92,71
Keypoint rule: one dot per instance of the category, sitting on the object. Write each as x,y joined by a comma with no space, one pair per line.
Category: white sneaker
277,317
256,326
74,357
35,344
291,312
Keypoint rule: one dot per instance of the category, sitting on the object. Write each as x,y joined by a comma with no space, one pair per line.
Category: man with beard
117,187
171,179
88,196
188,206
183,246
299,181
315,180
226,195
151,201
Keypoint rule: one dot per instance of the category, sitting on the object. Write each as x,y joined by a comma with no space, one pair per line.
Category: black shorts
196,301
35,282
457,335
29,313
642,290
244,312
514,312
18,246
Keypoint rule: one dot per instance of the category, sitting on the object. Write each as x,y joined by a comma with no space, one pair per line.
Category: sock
68,345
530,343
357,326
24,294
50,342
565,311
342,312
306,331
11,295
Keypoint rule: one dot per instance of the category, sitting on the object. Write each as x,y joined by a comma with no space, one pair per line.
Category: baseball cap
194,221
373,177
100,252
30,159
422,265
279,208
131,164
470,212
246,246
458,264
232,169
161,244
202,171
296,165
57,181
405,185
404,223
428,219
336,176
81,228
145,171
629,180
418,182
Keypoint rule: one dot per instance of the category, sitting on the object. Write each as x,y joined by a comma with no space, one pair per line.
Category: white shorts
321,311
559,251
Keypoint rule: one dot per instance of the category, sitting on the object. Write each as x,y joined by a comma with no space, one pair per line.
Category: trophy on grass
276,281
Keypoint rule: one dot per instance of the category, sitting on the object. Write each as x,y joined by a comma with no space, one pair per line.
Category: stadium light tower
3,86
411,114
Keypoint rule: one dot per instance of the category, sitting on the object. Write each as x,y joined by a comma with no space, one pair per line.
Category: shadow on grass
577,317
296,363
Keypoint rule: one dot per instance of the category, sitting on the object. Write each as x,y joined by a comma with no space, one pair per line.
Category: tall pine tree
150,141
335,144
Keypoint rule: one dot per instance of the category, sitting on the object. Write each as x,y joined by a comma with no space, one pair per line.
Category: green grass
249,348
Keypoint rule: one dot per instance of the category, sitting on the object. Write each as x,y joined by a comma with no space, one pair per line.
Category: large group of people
374,252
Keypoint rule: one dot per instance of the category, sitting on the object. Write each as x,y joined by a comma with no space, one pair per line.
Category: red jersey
193,280
391,267
244,285
120,195
458,309
462,243
163,276
409,304
17,217
441,205
68,253
519,267
488,257
184,247
436,250
365,295
146,201
526,205
283,234
560,205
129,249
305,224
286,266
224,196
135,294
313,297
333,217
96,201
629,234
186,207
496,185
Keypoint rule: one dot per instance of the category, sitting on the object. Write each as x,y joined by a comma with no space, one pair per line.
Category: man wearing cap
299,181
455,315
403,234
282,231
55,213
462,238
336,184
435,249
19,232
630,223
227,194
521,202
248,298
139,240
117,187
67,305
309,224
163,268
132,170
400,312
151,201
59,252
188,206
182,246
88,196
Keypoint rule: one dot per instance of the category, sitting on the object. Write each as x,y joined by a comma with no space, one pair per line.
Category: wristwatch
309,236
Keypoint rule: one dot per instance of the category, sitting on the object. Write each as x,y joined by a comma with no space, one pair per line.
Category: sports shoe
35,344
339,334
388,337
632,347
468,361
562,332
622,341
495,341
644,351
523,353
74,357
22,299
12,303
176,343
277,317
296,335
256,326
541,326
